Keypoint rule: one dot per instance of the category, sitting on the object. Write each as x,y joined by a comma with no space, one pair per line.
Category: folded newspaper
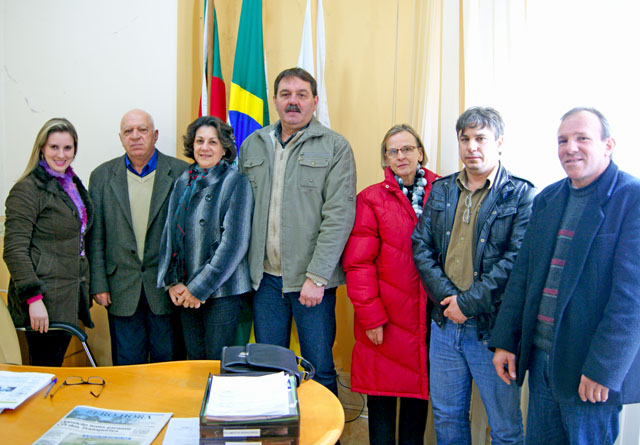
16,387
86,424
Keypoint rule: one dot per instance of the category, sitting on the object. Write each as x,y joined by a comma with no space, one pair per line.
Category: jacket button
142,269
133,251
475,274
313,163
448,204
482,240
310,180
494,212
202,222
386,186
208,198
448,233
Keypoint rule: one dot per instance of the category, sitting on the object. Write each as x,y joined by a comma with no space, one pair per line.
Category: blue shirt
279,133
150,167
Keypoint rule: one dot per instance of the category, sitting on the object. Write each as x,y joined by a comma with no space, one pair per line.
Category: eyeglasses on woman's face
406,150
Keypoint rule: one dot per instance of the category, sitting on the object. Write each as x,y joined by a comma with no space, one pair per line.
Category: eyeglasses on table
76,380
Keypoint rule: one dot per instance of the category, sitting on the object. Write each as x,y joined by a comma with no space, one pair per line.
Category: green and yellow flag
248,105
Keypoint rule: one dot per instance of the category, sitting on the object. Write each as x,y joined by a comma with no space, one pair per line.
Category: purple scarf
66,181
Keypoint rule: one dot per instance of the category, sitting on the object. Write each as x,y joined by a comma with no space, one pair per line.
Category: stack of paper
252,397
240,408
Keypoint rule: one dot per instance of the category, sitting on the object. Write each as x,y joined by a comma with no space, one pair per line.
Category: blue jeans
551,422
456,356
272,313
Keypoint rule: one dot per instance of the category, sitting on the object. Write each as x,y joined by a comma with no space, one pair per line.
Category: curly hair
225,135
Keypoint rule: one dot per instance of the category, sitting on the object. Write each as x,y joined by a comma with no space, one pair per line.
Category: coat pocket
46,266
111,268
502,225
250,168
313,169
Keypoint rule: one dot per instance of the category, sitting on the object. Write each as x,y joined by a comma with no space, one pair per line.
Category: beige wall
360,64
367,80
363,71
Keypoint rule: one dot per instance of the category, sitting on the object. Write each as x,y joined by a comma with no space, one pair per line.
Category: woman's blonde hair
399,129
55,125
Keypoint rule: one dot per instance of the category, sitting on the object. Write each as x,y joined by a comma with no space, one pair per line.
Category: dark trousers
47,349
245,320
143,337
210,327
179,348
382,420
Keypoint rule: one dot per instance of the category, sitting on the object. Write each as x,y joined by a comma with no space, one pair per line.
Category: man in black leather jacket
464,247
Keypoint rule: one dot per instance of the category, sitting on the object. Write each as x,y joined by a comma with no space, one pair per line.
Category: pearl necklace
418,190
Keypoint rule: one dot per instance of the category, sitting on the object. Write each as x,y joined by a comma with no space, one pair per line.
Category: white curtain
532,61
435,82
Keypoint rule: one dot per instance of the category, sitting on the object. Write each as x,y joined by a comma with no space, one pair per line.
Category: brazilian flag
248,106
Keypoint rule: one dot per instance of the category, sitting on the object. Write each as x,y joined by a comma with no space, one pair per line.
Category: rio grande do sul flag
213,95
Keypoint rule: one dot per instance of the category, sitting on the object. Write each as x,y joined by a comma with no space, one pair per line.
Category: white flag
323,107
305,58
204,94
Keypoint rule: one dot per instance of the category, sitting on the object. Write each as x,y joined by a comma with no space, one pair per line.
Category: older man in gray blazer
130,195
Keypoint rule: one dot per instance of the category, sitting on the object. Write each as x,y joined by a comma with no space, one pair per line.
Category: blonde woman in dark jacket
48,213
203,253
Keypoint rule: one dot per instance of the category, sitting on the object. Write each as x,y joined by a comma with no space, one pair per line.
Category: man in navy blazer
570,314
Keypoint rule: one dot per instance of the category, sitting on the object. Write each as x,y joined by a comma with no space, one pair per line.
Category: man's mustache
292,107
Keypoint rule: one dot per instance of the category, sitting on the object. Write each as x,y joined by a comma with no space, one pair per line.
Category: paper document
16,387
182,431
240,396
89,425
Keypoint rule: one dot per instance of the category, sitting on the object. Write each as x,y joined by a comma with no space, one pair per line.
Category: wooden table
176,387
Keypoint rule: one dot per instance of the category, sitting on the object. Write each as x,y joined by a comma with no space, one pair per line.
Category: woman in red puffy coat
390,353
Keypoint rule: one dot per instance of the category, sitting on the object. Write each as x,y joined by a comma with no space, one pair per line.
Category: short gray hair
605,133
481,117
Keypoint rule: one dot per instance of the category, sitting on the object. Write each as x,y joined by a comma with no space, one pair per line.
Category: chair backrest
9,344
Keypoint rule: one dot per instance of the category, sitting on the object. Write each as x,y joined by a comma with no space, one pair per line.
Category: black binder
270,430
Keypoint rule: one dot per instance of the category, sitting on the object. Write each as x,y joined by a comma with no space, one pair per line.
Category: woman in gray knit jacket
203,252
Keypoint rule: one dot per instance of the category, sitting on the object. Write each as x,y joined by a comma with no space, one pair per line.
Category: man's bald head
138,136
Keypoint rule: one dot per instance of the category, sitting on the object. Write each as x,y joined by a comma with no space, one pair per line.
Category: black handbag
260,358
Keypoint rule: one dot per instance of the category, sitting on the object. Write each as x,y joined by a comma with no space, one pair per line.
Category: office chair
10,346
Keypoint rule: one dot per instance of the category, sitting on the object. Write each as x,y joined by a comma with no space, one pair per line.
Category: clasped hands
181,296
